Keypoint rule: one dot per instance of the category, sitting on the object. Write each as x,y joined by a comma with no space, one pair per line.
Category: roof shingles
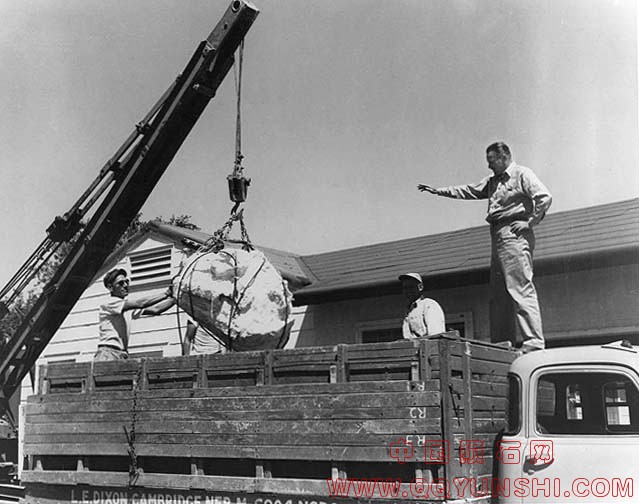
596,229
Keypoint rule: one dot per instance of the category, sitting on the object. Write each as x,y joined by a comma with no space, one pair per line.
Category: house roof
583,233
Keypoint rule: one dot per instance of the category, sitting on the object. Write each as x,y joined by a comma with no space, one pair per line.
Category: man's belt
508,220
112,347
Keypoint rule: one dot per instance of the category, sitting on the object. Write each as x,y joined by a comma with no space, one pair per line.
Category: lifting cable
237,170
238,188
237,182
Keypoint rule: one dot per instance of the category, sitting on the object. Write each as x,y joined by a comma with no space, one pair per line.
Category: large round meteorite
237,295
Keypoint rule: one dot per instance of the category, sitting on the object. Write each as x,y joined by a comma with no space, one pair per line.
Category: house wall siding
592,302
331,323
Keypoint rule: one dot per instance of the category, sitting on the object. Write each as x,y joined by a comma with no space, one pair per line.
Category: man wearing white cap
424,316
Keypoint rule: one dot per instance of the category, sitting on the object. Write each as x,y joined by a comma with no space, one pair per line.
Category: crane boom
122,187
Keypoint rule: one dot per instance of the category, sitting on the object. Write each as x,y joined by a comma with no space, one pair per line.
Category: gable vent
151,266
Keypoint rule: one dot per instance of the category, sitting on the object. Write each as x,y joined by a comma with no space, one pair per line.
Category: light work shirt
115,323
205,343
424,317
517,194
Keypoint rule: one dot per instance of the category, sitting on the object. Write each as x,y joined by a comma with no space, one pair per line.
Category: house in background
586,273
586,267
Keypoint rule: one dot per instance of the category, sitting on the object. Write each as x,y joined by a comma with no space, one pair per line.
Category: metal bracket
202,89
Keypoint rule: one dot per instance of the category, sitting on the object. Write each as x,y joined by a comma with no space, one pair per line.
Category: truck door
582,435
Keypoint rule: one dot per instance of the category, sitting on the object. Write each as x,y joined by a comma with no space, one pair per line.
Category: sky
347,105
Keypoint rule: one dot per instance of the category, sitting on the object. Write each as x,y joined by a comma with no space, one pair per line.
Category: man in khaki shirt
517,201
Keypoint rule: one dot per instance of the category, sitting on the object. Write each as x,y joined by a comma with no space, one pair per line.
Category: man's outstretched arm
467,191
158,308
146,301
427,188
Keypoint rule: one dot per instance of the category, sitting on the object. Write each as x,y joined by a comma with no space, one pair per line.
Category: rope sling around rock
231,293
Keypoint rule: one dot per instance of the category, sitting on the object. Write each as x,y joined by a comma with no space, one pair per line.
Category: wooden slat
428,412
483,388
374,426
65,370
378,400
122,367
251,391
173,363
425,348
484,370
95,448
353,453
487,403
121,480
481,351
469,470
233,360
333,440
380,366
342,358
391,354
172,379
485,425
449,406
303,357
268,367
307,366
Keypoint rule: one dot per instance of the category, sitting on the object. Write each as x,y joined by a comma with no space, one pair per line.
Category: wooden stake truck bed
268,427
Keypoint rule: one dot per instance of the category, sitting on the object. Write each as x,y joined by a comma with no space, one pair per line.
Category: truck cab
572,428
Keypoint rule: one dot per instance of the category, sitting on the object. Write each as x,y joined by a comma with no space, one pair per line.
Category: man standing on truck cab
424,316
116,314
517,201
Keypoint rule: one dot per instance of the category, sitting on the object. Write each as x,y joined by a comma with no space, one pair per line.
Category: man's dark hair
500,148
110,277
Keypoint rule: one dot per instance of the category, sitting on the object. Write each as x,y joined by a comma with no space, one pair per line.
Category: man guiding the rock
115,315
517,201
